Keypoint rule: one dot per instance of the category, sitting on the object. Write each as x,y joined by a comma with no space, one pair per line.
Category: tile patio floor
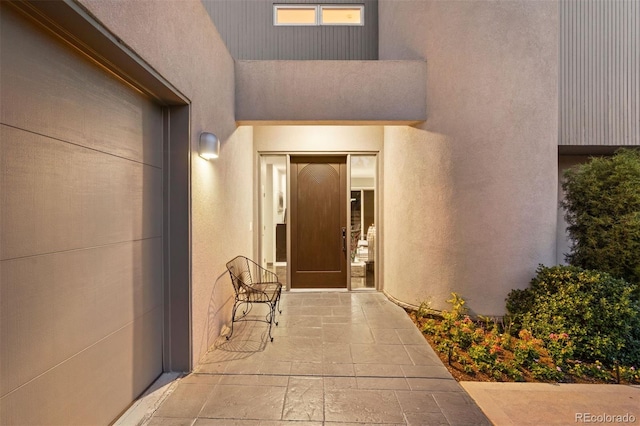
336,359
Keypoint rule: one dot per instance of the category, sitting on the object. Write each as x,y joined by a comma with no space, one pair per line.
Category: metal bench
253,284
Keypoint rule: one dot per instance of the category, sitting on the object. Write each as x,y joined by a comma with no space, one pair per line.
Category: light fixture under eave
209,146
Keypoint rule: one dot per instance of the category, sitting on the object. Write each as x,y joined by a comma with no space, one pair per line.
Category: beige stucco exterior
470,195
352,92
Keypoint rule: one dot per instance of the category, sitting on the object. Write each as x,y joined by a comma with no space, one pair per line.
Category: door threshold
319,290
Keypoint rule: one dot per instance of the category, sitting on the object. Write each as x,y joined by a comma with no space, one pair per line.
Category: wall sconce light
209,146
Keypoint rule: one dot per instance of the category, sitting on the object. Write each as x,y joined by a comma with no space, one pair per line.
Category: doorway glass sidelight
363,230
273,214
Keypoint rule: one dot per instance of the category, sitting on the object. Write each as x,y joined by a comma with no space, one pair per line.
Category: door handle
344,239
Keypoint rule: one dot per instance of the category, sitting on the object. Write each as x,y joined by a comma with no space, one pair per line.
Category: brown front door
318,222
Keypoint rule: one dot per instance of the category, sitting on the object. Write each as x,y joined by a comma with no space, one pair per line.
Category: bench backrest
240,272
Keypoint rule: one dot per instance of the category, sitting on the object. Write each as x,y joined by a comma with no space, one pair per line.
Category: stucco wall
470,195
330,91
197,63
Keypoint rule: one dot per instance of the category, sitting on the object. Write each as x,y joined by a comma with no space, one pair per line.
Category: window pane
273,214
296,16
363,208
341,16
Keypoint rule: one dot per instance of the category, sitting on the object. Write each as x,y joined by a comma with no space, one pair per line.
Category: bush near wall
598,312
602,209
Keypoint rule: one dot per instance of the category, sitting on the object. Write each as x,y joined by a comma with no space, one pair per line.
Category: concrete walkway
521,404
337,359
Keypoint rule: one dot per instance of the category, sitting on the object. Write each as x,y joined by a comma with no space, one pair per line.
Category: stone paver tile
289,321
422,419
347,338
379,354
306,382
331,383
226,422
434,385
245,402
386,336
351,329
362,406
395,323
295,349
388,310
423,355
324,300
289,423
394,383
313,311
338,370
452,399
211,367
288,296
378,370
426,371
467,417
275,367
417,402
362,424
168,421
254,380
279,332
304,399
348,310
341,318
185,401
201,379
292,342
339,353
351,333
308,332
243,366
411,336
306,369
459,409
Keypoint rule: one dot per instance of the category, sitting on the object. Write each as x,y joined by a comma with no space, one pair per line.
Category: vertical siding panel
599,72
247,28
634,70
564,90
615,77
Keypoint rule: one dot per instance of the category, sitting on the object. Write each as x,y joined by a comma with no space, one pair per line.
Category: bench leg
272,317
233,319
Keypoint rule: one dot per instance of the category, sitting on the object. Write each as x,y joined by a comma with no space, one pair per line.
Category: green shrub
602,209
594,312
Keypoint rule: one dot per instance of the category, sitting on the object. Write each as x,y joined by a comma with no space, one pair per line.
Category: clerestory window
315,15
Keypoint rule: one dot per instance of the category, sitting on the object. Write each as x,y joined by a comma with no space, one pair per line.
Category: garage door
81,258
